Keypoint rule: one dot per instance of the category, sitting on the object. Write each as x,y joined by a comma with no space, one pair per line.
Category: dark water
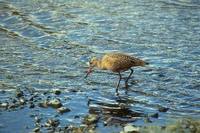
44,45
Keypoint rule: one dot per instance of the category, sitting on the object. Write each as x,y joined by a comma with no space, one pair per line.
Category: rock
43,104
163,109
57,92
52,123
55,103
12,106
19,93
37,129
90,119
4,105
63,110
131,129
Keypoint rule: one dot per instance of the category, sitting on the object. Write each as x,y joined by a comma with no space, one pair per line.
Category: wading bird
116,62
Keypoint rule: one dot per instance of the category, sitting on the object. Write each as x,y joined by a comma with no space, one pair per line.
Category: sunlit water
45,45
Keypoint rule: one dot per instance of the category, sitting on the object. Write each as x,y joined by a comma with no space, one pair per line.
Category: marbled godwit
116,62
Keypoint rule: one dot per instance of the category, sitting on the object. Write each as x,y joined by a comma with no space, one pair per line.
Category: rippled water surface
44,45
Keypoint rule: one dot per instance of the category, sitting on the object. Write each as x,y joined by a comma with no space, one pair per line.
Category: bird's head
92,63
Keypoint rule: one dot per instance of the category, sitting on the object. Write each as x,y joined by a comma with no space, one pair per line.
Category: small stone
57,92
22,101
63,110
19,93
90,119
131,129
55,103
37,129
163,109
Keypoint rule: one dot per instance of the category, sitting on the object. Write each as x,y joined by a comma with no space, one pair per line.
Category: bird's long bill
88,72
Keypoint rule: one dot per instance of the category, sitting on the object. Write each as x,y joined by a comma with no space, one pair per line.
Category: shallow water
44,45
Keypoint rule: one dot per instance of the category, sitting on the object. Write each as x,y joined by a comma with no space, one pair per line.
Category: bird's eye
90,63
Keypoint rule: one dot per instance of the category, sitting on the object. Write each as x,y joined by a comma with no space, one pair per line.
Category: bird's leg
120,77
126,82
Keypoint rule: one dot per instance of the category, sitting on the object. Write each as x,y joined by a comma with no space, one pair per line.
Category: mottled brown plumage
116,62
